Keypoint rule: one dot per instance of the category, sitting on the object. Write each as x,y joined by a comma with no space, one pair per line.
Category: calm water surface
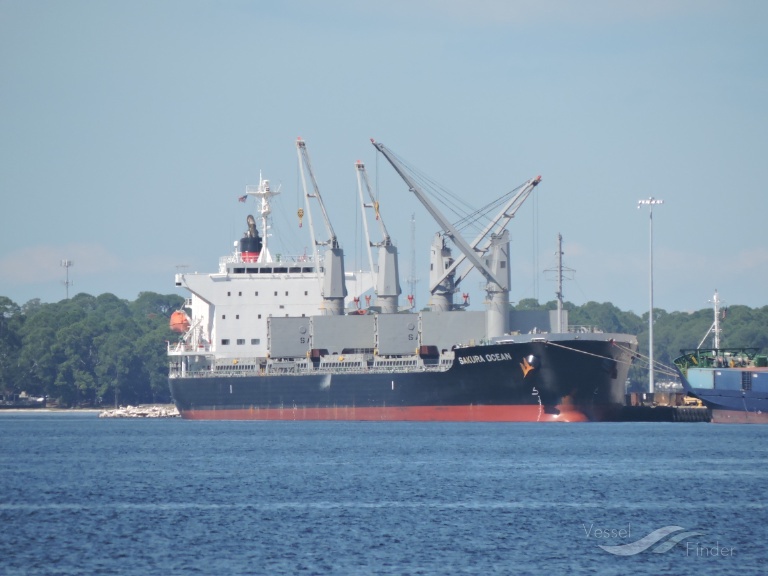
83,495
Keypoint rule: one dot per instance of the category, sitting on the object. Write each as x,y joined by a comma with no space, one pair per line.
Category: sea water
83,495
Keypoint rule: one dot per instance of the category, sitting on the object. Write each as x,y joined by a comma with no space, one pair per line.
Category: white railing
180,348
236,258
305,369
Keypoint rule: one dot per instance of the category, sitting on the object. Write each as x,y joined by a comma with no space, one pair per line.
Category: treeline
87,351
100,350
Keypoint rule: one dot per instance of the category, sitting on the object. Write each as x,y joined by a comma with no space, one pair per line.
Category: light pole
650,202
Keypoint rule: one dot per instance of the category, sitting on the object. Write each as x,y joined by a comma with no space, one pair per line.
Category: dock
664,407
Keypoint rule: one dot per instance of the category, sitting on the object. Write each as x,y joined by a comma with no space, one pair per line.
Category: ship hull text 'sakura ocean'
271,337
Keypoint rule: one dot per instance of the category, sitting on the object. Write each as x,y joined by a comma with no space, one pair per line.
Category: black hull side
571,380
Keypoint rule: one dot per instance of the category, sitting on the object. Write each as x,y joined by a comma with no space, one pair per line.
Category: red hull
403,414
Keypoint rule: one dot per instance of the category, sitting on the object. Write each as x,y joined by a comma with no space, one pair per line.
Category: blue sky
129,128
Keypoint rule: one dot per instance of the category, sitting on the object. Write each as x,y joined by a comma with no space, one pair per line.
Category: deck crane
489,252
334,286
387,276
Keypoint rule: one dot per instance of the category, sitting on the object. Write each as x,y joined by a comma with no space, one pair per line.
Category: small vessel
731,382
276,337
23,400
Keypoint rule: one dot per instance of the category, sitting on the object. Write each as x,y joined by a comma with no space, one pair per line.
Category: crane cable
468,216
666,370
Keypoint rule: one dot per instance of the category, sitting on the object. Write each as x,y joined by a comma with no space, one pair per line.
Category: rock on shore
141,412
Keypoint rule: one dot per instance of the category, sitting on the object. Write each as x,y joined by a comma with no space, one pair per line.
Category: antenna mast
560,270
715,328
559,292
67,264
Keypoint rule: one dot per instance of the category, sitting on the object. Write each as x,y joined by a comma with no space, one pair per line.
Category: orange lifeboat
179,321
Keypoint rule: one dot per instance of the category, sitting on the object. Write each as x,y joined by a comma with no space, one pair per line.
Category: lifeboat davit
179,321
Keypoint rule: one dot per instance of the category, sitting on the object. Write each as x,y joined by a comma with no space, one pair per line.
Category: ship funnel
250,244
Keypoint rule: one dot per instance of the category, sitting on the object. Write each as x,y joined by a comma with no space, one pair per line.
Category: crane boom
450,229
360,169
301,147
362,178
387,275
504,216
333,287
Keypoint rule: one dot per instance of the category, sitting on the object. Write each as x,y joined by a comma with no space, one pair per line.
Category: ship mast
263,192
562,317
715,328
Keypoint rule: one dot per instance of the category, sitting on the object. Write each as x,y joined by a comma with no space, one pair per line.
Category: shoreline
99,411
142,411
50,410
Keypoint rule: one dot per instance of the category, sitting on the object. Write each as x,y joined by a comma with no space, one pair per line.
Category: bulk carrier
276,337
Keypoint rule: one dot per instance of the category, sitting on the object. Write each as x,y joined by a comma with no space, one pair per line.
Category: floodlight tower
650,202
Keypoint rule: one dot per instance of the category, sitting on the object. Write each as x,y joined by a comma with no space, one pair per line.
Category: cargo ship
275,337
731,381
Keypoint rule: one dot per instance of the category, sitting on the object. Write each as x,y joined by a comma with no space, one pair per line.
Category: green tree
11,320
42,350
